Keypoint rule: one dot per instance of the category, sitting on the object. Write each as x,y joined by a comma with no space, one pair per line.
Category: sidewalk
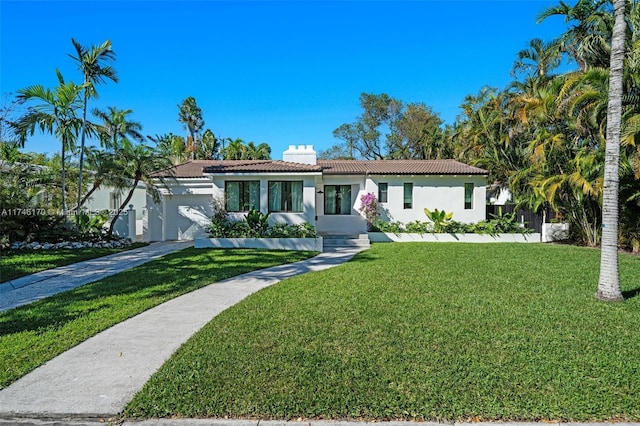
96,379
52,281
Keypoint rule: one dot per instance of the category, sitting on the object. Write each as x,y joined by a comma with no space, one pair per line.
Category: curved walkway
43,284
96,379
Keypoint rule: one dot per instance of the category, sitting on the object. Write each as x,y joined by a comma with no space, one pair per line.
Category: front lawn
418,331
18,263
32,334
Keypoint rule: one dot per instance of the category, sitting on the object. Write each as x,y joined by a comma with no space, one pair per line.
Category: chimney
303,154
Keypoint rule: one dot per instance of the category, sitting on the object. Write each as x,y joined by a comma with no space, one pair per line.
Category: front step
336,242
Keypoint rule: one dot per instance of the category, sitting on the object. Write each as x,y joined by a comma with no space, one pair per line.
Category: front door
339,216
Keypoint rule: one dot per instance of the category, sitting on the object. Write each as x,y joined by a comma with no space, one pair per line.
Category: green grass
418,331
33,334
18,263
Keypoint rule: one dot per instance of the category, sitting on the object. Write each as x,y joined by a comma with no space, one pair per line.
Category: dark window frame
286,196
383,194
407,205
468,195
244,194
337,201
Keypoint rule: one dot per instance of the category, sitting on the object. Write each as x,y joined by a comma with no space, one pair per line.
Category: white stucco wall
101,199
184,212
433,192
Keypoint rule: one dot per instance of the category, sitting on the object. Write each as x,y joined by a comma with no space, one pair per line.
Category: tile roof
197,168
190,169
398,167
262,166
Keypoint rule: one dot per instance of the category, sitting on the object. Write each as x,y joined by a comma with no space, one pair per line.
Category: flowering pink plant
369,207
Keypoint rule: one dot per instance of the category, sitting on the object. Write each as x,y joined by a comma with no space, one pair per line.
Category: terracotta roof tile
263,166
190,169
399,167
197,168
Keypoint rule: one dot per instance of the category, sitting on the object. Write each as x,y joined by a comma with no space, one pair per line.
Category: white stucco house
299,188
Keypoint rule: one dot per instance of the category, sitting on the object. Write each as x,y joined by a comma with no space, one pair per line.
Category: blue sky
284,73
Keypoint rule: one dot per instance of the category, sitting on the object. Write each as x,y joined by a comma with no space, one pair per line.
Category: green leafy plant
92,227
417,227
390,227
455,227
507,223
256,225
285,230
258,222
439,218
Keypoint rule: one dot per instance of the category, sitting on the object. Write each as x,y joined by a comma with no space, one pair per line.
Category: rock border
70,245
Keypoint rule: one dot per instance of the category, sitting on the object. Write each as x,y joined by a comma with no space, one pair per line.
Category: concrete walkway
97,378
43,284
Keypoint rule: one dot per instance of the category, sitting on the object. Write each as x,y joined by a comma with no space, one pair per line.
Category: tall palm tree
190,115
116,126
609,281
137,162
587,41
56,114
93,63
539,59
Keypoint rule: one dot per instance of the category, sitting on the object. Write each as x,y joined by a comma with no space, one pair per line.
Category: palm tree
92,63
539,59
115,126
137,163
259,152
209,147
171,146
57,114
103,166
587,41
235,150
609,281
190,115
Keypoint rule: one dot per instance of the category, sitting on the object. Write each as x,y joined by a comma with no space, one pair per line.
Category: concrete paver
97,378
24,290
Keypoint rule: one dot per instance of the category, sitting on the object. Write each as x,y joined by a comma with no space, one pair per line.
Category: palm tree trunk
93,189
82,137
122,206
63,188
609,281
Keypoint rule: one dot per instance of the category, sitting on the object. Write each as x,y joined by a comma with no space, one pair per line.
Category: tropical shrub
439,219
91,227
256,225
455,227
285,230
442,222
258,222
390,227
417,227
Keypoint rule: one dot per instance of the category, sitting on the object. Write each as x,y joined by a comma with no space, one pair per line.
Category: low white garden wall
297,244
385,237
